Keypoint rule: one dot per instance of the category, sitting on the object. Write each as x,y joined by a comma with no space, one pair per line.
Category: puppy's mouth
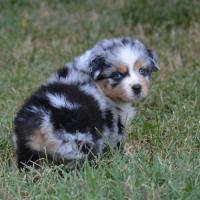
137,97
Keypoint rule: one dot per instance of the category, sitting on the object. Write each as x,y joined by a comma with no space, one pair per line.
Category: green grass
161,159
165,14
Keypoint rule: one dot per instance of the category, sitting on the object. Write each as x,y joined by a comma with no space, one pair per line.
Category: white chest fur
127,113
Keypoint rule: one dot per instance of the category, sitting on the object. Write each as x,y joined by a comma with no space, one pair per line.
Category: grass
173,13
161,159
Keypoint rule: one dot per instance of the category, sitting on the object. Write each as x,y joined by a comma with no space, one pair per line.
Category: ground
161,159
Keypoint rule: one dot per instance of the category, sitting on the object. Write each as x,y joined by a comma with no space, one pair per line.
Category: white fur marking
84,137
53,78
128,55
128,113
70,151
59,101
34,109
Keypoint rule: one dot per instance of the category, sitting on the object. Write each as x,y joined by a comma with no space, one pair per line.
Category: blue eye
143,71
117,75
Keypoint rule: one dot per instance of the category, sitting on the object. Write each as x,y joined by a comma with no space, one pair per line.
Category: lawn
161,158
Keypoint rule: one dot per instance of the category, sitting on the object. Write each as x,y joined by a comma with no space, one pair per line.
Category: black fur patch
153,57
128,41
120,126
97,66
109,118
63,72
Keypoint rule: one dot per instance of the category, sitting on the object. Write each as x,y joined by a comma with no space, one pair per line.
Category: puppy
83,108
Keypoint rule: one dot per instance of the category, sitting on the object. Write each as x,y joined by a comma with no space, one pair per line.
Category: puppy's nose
136,88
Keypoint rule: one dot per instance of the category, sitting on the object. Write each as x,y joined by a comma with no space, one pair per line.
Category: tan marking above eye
122,69
138,64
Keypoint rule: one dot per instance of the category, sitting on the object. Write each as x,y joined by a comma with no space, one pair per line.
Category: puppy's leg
58,149
26,156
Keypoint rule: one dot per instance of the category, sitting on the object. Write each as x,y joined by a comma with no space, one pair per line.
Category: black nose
136,88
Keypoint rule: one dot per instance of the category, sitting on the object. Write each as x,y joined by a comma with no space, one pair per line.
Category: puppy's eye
117,76
143,71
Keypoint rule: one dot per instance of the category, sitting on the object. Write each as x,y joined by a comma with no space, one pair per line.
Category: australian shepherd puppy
84,107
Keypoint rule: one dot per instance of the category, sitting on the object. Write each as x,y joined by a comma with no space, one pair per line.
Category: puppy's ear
97,66
154,58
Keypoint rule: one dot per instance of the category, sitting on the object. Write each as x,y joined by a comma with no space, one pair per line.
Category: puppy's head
122,68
